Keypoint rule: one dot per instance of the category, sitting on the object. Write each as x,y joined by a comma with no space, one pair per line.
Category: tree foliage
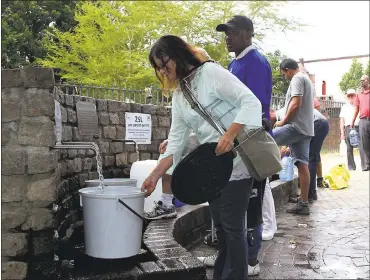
279,83
111,41
23,25
351,79
367,70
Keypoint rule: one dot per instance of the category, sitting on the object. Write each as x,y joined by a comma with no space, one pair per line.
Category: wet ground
333,242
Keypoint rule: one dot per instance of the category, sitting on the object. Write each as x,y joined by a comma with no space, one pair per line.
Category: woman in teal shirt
232,104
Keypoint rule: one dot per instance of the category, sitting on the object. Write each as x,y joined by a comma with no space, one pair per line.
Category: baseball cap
236,22
350,91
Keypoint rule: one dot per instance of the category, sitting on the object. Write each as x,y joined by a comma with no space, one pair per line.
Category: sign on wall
139,127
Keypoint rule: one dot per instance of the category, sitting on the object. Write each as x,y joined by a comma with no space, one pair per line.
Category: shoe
160,211
266,236
208,261
254,270
366,169
321,183
299,209
312,197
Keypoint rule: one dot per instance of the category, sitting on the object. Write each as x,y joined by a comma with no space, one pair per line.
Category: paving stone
335,244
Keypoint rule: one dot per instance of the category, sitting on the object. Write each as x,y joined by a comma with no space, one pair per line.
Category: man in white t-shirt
346,114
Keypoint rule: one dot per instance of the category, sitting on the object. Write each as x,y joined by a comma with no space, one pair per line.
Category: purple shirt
254,71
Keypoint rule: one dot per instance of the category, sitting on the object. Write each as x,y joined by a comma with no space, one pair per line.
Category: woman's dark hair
288,63
179,51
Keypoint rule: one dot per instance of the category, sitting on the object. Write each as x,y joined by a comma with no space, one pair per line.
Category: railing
149,95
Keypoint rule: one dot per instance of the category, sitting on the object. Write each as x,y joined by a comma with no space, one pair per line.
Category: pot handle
133,211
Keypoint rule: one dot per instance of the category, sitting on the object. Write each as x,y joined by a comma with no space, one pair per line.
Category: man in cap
346,114
362,103
253,69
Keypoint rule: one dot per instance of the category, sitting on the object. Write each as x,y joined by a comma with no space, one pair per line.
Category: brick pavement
335,243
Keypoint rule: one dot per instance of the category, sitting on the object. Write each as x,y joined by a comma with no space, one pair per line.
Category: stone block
109,132
67,134
59,96
11,78
81,152
117,106
78,98
37,131
41,162
109,161
13,161
121,159
154,121
13,188
145,156
162,111
142,147
159,133
164,121
103,147
116,147
113,118
76,136
155,156
148,109
72,116
37,77
10,110
120,132
5,134
87,163
69,100
14,270
72,153
42,191
38,102
132,157
122,118
83,177
101,105
14,244
77,165
39,219
103,118
13,214
63,112
135,108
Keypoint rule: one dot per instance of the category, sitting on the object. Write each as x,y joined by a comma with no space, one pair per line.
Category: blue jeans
228,213
299,143
321,131
256,247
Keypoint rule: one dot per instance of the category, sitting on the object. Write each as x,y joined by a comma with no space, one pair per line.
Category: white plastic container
140,170
111,230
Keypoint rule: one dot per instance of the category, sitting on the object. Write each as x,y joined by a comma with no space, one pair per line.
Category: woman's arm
177,138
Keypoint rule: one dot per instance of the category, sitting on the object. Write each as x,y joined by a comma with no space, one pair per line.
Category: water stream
99,165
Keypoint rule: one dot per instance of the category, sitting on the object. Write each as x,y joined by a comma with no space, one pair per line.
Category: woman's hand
149,184
225,144
163,146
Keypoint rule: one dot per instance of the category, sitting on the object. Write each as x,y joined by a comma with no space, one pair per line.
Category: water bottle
286,174
354,137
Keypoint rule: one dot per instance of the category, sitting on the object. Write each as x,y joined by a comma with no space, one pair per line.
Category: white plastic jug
140,170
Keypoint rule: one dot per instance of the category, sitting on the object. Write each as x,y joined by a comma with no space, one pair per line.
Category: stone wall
28,178
40,202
